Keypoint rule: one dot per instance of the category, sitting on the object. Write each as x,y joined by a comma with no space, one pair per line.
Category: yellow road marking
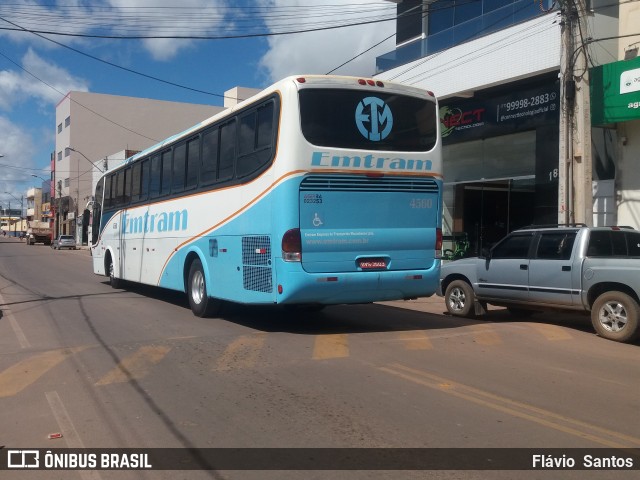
241,353
18,377
525,411
415,340
551,332
331,346
484,335
135,366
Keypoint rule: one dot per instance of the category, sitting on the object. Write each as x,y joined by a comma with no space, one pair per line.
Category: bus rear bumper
357,287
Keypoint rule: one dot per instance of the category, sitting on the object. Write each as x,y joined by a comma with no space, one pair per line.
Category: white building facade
495,67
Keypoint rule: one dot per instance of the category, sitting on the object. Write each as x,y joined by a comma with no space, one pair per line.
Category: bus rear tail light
370,82
292,246
438,253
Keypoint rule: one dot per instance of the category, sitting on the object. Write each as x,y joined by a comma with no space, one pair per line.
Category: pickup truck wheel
614,316
459,298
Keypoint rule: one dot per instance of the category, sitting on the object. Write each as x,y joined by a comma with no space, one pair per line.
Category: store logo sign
630,81
454,118
374,119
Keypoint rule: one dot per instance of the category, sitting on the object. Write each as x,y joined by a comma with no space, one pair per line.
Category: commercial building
93,126
615,100
511,106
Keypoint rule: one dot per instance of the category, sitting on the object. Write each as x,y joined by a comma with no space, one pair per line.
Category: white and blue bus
319,190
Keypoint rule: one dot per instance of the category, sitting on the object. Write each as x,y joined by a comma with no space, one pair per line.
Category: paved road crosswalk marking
135,366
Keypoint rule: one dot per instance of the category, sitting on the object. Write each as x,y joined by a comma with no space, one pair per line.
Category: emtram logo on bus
374,119
155,222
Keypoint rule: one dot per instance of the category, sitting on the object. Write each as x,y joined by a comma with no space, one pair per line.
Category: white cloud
18,149
181,24
18,85
322,51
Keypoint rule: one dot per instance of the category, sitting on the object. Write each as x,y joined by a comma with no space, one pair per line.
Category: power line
321,25
114,64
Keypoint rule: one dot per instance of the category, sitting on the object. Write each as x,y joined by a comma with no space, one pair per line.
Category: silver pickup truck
590,269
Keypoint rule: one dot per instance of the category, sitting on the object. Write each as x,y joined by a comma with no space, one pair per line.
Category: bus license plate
372,263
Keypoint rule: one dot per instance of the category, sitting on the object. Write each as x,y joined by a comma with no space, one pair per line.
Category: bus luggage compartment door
351,223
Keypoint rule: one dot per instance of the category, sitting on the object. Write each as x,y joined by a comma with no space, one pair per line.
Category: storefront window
490,188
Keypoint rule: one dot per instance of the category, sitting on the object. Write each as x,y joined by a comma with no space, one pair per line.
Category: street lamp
38,176
86,158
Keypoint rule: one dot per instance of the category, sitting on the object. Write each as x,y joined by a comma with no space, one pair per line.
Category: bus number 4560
421,203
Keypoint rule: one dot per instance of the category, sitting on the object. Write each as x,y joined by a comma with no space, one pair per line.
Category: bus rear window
368,120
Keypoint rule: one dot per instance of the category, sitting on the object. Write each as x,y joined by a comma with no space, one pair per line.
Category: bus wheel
201,304
113,280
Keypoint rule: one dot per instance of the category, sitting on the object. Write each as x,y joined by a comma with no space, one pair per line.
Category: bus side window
144,179
227,150
255,139
165,182
156,174
193,163
108,199
209,170
246,145
126,198
119,188
135,182
179,167
265,126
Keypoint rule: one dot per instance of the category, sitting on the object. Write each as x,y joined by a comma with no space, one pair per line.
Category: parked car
580,268
64,241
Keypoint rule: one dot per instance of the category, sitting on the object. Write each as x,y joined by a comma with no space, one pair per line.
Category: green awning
615,92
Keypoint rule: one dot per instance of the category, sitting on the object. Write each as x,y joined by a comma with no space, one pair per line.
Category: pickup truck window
515,246
633,243
614,243
555,246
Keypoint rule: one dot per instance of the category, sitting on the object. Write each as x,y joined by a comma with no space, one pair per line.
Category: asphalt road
134,368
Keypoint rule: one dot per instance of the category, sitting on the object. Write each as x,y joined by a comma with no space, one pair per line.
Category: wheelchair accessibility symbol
316,220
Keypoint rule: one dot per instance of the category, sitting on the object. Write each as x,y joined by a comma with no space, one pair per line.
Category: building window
409,20
66,182
67,122
67,152
59,156
59,127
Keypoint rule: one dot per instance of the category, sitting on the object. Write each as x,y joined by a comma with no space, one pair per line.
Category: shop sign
519,110
615,92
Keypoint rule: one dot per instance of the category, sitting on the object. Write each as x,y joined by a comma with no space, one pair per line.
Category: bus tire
201,304
114,281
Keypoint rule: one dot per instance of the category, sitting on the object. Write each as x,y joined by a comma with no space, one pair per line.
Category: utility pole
575,196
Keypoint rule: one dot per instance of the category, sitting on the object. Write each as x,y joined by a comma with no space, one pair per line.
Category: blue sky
36,73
